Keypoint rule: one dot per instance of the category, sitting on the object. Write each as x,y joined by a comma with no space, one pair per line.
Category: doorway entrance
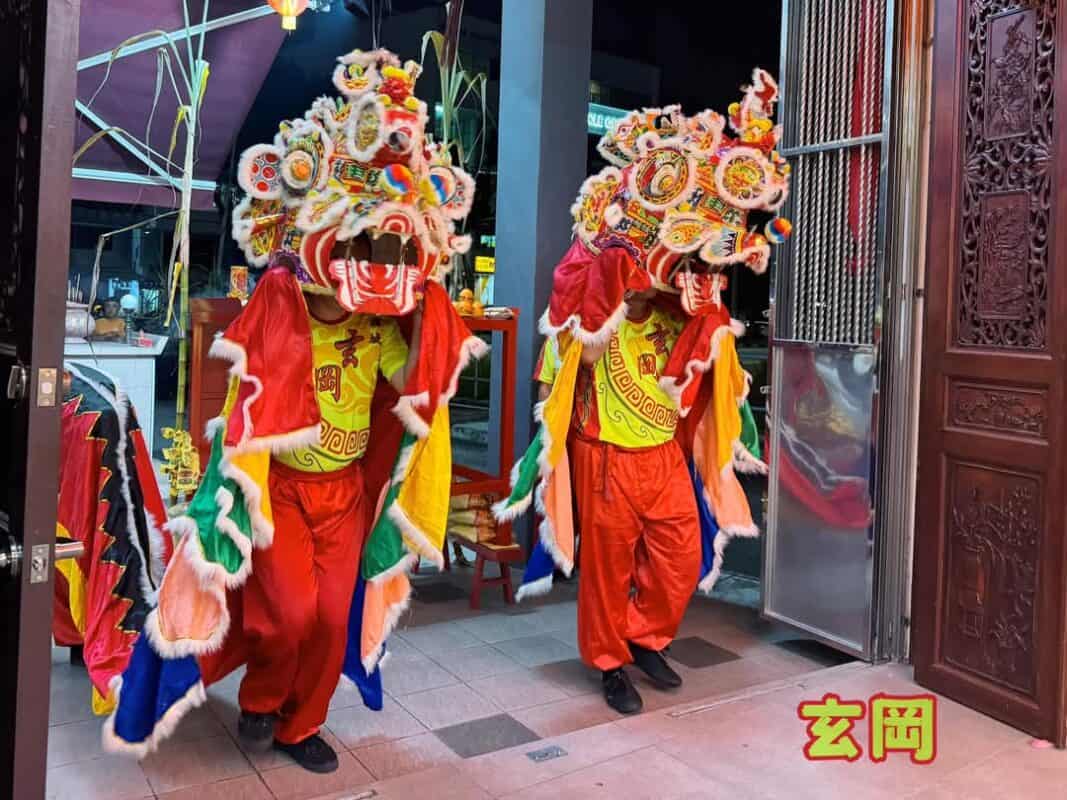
451,666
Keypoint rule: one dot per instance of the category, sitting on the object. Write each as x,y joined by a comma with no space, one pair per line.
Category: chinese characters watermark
896,724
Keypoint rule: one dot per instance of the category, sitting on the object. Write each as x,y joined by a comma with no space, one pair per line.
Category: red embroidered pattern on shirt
340,442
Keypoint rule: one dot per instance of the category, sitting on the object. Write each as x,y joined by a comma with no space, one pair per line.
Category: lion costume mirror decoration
355,196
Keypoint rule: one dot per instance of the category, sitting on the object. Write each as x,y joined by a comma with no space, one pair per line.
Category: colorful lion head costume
670,214
355,197
680,189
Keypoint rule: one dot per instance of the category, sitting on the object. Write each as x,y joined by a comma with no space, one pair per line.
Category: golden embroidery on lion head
680,189
355,197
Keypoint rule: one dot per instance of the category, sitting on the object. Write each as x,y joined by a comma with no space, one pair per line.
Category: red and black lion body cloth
110,501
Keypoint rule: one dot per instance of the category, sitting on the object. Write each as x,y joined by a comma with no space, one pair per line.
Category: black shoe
256,730
620,692
77,656
313,754
655,666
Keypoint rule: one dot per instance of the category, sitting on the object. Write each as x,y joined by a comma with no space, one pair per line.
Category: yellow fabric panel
425,494
102,706
723,491
75,580
556,412
256,465
728,389
231,396
347,357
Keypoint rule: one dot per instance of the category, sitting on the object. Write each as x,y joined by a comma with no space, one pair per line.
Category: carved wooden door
988,609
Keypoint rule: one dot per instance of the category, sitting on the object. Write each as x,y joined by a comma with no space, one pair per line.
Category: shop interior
464,653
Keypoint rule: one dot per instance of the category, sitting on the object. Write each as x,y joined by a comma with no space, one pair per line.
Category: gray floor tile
437,592
487,735
533,651
697,652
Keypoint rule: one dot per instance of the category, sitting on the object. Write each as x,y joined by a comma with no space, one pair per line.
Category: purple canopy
239,56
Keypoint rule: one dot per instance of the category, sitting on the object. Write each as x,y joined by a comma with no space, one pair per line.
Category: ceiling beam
176,36
122,141
113,176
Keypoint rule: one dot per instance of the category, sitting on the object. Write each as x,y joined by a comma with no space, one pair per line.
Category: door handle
69,550
18,381
10,556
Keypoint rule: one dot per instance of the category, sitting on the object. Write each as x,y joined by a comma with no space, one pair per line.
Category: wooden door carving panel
993,553
1007,128
988,611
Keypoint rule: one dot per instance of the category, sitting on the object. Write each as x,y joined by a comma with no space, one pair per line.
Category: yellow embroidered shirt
619,400
347,356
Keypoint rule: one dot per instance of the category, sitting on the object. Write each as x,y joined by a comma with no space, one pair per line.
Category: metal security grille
835,113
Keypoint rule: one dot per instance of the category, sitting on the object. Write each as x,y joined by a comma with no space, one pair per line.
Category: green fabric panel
385,544
218,547
529,470
749,431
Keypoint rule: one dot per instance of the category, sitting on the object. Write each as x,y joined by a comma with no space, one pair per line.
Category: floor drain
546,754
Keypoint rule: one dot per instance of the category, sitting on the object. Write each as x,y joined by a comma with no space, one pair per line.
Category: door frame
895,495
40,126
873,343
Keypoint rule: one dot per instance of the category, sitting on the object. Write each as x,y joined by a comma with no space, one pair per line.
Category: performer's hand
591,353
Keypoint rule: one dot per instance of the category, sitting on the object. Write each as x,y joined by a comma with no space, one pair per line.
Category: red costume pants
294,606
640,547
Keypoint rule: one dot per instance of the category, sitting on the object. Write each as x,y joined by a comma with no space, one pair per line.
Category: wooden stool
503,556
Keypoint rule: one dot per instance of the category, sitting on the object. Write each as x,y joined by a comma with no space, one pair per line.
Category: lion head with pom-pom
679,191
355,197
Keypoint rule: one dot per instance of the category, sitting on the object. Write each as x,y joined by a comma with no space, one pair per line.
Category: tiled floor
473,694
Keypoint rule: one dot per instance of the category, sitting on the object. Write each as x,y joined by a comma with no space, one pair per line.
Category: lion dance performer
646,413
334,439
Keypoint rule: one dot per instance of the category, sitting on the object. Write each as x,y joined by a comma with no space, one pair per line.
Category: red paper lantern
290,10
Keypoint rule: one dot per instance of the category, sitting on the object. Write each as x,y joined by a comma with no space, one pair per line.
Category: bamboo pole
183,348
